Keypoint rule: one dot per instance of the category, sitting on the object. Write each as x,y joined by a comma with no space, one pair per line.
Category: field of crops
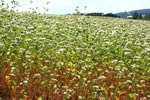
44,57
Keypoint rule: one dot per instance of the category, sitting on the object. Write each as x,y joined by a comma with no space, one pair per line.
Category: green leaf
1,68
132,95
25,93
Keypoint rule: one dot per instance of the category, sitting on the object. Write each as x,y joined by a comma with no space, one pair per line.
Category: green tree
135,15
140,16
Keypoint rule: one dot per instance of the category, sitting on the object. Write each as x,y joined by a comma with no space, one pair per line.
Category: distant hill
141,11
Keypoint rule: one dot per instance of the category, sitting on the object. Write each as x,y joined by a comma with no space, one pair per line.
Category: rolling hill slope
141,11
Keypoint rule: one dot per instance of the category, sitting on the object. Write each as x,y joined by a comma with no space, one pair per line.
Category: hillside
141,11
68,57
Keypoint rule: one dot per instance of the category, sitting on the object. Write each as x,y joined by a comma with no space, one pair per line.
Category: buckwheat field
68,57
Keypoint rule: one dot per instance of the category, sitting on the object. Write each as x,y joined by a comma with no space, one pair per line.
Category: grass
46,57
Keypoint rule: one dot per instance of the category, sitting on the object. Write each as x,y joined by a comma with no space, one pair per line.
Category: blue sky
68,6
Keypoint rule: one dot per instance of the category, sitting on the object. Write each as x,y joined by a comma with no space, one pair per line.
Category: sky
68,6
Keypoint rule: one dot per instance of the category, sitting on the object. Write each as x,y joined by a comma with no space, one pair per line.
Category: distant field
44,57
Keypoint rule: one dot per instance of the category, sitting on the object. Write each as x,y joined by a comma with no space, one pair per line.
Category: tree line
137,15
99,14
